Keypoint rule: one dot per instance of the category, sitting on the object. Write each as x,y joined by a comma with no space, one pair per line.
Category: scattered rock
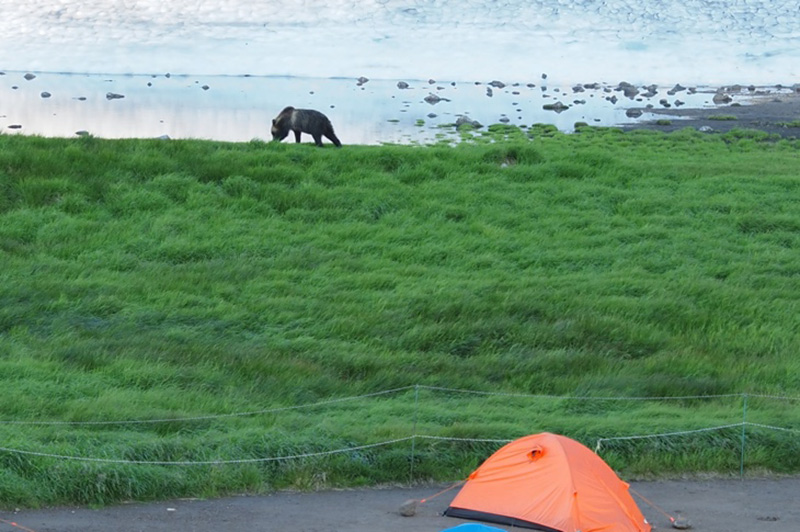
205,87
664,102
721,97
497,84
591,86
505,120
82,133
433,99
489,92
360,81
651,90
466,121
431,81
558,107
633,113
432,115
544,76
705,129
678,103
15,126
408,508
113,96
676,89
612,99
45,94
578,88
402,85
29,76
681,523
627,89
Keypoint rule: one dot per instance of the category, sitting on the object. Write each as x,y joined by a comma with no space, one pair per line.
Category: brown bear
308,121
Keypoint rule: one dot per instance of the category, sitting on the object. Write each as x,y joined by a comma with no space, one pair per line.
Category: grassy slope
149,279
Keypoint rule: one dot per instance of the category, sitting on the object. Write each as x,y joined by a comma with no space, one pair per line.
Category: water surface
234,64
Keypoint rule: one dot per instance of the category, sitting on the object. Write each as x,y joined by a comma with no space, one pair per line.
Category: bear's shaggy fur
308,121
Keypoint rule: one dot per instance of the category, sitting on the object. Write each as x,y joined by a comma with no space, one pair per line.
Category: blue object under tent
473,527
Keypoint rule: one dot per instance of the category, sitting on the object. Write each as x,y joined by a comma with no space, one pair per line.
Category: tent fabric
550,483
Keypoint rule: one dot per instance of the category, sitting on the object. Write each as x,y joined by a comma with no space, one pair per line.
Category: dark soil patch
773,114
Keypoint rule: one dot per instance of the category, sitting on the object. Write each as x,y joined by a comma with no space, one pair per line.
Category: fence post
744,425
414,433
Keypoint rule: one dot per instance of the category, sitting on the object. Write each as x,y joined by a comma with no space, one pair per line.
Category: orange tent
551,483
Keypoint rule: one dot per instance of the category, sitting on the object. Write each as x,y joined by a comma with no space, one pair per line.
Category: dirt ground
776,114
727,505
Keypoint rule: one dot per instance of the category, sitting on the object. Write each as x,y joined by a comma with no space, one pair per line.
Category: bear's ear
274,121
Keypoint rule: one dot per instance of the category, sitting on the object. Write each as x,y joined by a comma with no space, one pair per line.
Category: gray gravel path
716,505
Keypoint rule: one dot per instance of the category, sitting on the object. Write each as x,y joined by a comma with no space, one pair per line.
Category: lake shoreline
364,111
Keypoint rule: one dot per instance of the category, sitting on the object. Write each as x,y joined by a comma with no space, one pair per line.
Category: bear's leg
334,140
297,135
332,136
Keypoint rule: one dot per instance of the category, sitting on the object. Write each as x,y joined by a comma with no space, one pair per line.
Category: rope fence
418,434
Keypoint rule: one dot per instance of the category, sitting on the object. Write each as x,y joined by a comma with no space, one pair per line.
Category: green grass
722,117
147,279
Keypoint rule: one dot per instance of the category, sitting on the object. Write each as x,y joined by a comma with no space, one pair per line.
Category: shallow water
240,108
255,57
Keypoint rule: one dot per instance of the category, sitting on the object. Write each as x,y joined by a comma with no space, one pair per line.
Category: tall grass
160,279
